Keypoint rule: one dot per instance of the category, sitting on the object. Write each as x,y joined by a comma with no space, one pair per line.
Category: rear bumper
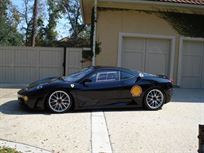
169,94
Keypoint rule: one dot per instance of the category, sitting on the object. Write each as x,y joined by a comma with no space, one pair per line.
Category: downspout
94,34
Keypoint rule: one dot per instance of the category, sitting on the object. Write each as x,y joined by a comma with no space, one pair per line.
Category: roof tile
195,2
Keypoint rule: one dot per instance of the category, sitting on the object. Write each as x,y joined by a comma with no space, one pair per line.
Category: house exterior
133,34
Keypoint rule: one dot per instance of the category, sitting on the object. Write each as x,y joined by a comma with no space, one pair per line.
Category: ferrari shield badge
136,91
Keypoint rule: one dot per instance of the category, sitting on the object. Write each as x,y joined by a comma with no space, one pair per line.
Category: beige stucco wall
111,23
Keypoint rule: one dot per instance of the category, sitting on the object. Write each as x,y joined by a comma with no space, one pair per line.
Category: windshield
78,75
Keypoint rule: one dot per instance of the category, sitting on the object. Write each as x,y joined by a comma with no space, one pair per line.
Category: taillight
171,80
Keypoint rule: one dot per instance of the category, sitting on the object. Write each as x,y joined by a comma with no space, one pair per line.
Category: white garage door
146,54
192,73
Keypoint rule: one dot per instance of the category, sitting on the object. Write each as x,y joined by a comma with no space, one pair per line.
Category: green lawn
8,150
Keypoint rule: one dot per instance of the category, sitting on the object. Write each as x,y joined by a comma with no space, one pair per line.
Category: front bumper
33,101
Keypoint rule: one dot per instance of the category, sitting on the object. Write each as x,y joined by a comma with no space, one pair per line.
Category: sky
62,25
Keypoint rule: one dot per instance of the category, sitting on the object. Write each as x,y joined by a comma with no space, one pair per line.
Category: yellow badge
136,91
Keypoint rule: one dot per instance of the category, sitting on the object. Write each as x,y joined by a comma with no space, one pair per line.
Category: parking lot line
100,136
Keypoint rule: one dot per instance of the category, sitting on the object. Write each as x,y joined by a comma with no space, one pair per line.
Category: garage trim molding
181,40
139,35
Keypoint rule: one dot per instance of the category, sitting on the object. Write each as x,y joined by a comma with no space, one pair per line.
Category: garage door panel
192,64
191,82
157,45
133,44
146,54
133,61
193,48
157,64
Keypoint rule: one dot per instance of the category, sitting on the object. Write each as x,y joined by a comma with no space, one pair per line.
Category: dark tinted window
125,75
101,77
113,76
105,76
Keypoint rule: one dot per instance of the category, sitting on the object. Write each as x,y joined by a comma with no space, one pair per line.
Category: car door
102,89
127,82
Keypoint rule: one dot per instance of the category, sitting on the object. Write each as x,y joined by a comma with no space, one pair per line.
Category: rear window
125,75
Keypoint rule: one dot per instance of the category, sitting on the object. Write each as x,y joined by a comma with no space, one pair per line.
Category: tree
77,28
34,23
26,18
9,20
27,23
54,12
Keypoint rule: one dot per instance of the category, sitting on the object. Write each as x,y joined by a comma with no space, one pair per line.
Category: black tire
59,101
154,99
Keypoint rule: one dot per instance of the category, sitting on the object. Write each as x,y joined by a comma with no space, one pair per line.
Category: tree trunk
34,26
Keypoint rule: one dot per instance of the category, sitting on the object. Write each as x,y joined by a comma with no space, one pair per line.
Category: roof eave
87,5
86,9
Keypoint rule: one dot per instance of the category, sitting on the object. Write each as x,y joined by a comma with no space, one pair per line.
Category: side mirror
86,81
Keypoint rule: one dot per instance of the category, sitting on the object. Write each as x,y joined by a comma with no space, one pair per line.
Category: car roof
113,68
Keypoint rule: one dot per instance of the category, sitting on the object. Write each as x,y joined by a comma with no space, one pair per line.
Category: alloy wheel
154,99
59,101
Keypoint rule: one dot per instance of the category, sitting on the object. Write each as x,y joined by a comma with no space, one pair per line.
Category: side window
113,76
101,77
107,76
125,75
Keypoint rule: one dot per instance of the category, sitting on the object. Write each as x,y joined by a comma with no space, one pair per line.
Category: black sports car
98,87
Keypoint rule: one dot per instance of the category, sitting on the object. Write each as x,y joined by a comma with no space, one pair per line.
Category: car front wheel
154,99
59,102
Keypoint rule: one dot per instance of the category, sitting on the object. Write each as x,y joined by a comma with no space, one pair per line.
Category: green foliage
89,54
46,34
27,22
9,36
8,150
71,9
40,37
54,12
191,25
41,33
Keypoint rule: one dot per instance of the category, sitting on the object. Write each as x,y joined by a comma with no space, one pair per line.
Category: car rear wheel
154,99
59,102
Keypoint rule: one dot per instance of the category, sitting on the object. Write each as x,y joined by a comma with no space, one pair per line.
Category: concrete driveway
173,129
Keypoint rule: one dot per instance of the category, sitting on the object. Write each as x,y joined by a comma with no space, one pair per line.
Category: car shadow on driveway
14,108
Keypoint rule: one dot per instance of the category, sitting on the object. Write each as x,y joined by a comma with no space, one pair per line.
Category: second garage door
146,54
192,74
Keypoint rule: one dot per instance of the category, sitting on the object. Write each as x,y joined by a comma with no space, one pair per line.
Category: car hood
44,81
